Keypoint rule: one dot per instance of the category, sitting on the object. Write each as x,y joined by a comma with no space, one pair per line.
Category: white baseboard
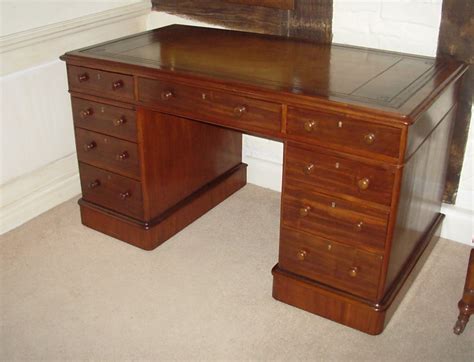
32,194
264,173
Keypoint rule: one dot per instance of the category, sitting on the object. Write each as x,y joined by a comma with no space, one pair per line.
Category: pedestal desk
159,118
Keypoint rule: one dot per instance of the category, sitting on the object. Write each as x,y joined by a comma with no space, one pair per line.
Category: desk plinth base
148,237
349,310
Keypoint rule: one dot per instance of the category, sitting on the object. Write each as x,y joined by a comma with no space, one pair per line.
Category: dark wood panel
341,266
181,156
95,81
112,191
420,198
311,19
108,152
455,41
104,118
339,175
279,4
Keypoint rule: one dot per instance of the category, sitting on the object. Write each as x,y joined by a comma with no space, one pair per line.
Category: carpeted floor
68,292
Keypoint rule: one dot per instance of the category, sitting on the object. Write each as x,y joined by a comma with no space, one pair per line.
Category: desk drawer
99,82
107,152
340,266
217,107
104,118
329,129
112,191
338,174
334,218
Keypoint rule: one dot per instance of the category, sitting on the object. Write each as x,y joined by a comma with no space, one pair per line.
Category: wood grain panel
279,4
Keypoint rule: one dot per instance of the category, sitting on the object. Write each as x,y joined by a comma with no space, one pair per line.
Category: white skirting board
29,196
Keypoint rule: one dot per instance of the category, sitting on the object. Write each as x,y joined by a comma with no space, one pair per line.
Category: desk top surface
386,81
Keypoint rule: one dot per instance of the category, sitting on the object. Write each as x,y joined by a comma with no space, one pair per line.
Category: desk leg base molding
148,237
349,310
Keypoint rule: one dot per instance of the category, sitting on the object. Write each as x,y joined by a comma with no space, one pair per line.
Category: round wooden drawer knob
117,84
166,95
359,226
310,126
94,184
90,146
84,77
86,113
308,169
123,156
120,121
363,183
301,255
240,110
369,138
353,272
125,195
304,211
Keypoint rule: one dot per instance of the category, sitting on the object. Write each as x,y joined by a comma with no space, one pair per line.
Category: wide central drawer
334,218
112,191
213,106
337,265
108,152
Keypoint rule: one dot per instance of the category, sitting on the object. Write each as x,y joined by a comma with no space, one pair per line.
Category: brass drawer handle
90,146
125,195
94,184
359,226
86,113
120,121
310,126
301,255
117,84
122,156
353,271
240,110
369,138
84,77
167,95
304,211
363,183
308,169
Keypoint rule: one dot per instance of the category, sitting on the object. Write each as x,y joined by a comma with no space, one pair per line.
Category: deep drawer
217,107
337,265
107,152
338,174
334,218
104,118
99,82
112,191
343,133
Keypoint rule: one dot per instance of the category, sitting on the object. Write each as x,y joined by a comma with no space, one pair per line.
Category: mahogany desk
159,118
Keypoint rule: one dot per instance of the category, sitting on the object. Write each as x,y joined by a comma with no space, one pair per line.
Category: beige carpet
68,292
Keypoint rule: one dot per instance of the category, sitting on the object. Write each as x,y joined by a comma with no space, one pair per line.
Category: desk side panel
179,156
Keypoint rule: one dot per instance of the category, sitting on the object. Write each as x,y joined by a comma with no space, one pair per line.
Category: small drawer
340,266
101,83
343,132
104,118
111,191
334,218
107,152
214,106
338,174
